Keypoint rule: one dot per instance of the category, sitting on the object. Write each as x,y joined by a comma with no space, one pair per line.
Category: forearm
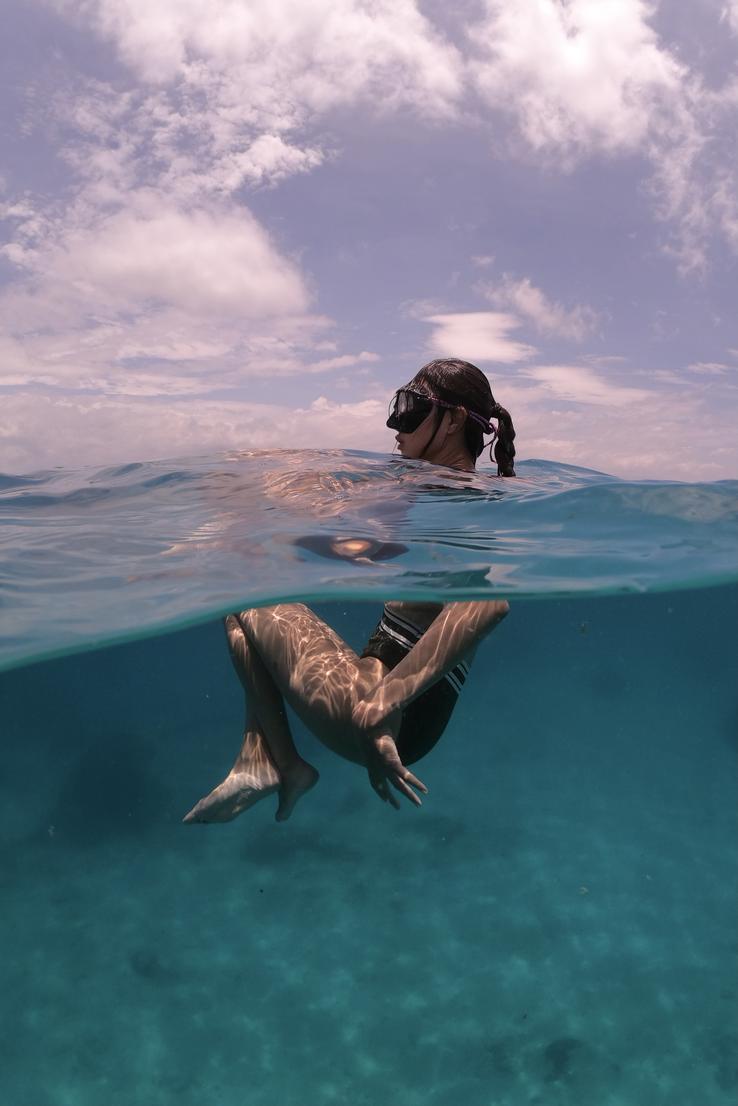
453,634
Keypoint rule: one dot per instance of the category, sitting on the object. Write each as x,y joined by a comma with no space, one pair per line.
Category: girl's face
415,416
413,445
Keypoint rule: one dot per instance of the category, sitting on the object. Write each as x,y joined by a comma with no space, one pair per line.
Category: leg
252,777
318,674
324,682
268,759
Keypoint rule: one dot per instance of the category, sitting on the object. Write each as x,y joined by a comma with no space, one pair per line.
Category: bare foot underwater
252,778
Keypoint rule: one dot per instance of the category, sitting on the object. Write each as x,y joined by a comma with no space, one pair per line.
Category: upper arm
476,617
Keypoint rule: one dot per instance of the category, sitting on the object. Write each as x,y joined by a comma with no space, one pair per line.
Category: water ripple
88,556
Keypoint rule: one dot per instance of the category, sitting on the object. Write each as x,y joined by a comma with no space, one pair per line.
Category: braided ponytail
503,444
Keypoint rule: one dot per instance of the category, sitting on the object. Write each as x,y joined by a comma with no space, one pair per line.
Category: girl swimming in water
388,707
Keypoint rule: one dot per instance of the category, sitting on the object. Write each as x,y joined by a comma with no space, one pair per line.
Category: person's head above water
443,414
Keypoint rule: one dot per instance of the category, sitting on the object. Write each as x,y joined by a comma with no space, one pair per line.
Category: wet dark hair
464,385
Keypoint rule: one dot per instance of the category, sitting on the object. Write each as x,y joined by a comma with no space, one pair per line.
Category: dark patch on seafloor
561,1058
108,792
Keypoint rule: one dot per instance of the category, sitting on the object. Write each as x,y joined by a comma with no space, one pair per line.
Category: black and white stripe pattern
406,633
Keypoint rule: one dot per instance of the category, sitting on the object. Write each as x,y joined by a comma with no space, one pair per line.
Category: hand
377,729
385,767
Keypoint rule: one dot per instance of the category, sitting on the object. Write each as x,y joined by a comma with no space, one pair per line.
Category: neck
453,455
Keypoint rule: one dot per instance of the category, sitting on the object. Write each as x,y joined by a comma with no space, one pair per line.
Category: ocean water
555,925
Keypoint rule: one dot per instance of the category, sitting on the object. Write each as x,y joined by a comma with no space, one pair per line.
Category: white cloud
579,384
344,361
199,261
560,416
152,256
220,95
580,76
339,50
709,368
693,181
547,316
279,59
44,431
583,78
477,336
730,15
269,159
115,302
169,354
637,433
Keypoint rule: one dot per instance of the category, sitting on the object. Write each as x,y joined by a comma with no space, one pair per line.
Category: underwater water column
556,923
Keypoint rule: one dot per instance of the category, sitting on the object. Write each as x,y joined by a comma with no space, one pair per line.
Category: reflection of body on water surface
363,550
386,708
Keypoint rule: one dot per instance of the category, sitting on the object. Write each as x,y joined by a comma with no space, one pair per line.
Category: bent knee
495,610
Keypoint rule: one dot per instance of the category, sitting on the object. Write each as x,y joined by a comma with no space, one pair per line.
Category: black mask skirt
408,410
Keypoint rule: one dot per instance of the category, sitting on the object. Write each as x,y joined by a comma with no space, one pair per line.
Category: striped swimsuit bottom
425,719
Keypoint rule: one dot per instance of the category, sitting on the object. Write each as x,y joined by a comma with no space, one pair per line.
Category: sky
237,224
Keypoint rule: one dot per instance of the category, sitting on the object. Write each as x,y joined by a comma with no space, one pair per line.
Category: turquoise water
556,925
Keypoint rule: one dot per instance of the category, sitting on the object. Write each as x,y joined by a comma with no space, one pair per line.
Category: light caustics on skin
286,653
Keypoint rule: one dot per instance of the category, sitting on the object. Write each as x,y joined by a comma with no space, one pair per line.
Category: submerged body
365,709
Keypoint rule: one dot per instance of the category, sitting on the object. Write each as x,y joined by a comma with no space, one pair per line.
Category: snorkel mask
410,408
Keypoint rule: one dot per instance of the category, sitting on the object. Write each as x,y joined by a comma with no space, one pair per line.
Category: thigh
317,672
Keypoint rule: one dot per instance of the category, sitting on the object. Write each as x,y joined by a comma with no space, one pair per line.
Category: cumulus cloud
200,261
45,431
585,78
151,267
277,59
220,96
477,336
579,76
547,316
202,297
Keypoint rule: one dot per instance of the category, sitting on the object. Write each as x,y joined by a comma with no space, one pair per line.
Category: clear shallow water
556,925
92,556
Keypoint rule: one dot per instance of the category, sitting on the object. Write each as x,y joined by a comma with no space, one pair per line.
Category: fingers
392,800
382,789
407,791
408,777
402,783
386,768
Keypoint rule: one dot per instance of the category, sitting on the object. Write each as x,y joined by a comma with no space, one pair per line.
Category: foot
251,778
294,784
